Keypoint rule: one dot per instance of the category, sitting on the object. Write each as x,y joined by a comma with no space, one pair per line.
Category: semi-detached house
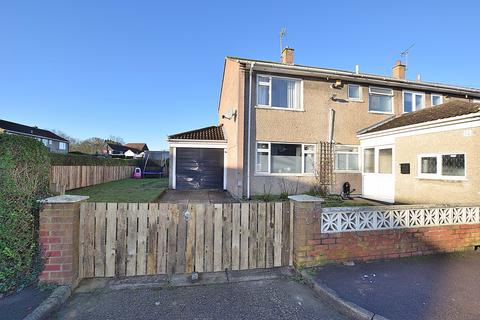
273,116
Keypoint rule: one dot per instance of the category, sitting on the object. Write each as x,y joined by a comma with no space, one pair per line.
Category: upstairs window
354,92
380,100
437,99
279,92
413,101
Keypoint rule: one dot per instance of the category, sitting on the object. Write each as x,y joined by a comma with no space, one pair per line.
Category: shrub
24,178
74,159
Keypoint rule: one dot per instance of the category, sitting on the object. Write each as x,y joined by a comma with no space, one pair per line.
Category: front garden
127,190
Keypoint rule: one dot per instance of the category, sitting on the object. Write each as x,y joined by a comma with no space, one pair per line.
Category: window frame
269,150
413,93
360,93
376,159
436,95
359,165
392,102
270,77
60,144
439,174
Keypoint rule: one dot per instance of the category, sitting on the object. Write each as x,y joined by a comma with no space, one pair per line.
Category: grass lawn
127,190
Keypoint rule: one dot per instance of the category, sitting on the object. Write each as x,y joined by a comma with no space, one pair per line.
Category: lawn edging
58,297
330,296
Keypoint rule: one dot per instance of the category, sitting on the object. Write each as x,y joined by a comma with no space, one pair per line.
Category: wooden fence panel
119,239
64,178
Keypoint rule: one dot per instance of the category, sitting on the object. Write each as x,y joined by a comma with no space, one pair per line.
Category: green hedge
24,170
58,159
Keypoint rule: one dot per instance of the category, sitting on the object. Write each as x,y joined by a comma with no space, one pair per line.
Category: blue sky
144,69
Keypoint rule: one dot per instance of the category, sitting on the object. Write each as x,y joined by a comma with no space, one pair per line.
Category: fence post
307,212
59,239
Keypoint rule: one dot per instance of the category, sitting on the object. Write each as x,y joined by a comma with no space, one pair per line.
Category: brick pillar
307,212
59,239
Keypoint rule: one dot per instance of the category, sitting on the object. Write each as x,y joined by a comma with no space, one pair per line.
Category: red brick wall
58,230
312,248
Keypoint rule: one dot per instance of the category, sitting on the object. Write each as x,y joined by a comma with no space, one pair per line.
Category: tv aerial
404,55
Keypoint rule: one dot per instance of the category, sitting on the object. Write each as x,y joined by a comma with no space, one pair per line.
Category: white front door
378,173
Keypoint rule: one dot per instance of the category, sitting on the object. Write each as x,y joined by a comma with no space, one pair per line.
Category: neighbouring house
280,123
137,145
427,156
123,151
52,141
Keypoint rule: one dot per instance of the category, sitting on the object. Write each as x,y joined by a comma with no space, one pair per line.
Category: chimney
287,55
398,71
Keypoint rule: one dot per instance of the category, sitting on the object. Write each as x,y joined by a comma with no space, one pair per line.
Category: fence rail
119,239
395,217
63,178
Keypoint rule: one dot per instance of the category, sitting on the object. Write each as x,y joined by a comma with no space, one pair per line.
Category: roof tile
449,109
208,133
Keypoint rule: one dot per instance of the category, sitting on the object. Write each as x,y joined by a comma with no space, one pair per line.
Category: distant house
139,146
123,151
53,142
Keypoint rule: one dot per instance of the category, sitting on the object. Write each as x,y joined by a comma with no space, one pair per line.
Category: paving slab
262,299
196,196
433,287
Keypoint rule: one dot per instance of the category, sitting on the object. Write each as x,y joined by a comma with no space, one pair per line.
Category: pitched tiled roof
122,148
139,146
449,109
20,128
208,133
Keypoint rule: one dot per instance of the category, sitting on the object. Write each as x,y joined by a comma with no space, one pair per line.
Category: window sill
346,171
356,100
380,112
446,179
284,175
278,108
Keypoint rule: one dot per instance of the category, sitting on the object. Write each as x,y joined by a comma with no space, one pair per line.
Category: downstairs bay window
442,166
285,158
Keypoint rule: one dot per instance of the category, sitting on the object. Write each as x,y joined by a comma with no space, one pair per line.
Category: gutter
345,75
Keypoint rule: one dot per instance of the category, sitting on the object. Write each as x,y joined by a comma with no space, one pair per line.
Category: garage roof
212,133
449,109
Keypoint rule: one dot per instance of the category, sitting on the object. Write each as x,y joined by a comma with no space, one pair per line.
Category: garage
199,168
198,159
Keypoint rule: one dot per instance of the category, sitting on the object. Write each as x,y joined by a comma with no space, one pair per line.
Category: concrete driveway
281,298
199,196
431,287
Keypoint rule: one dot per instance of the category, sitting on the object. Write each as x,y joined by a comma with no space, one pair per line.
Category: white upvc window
354,92
436,99
446,166
62,146
413,101
285,158
380,100
279,92
346,158
378,160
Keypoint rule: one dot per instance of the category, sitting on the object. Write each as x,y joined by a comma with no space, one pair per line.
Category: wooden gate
120,239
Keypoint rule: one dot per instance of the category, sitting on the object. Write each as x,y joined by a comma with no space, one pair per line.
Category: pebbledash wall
330,235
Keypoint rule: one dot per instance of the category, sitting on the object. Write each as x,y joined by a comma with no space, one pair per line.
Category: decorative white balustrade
395,217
